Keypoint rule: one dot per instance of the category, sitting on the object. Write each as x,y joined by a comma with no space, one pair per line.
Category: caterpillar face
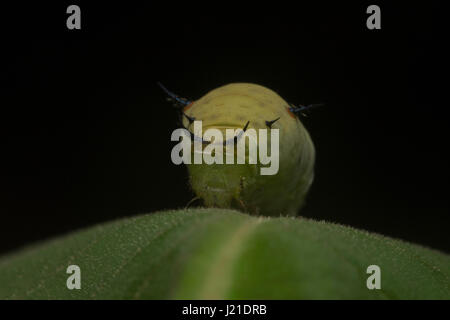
241,186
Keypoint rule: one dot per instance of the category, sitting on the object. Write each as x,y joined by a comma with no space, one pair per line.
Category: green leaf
223,254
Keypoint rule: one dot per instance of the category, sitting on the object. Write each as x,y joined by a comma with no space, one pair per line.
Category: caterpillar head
241,108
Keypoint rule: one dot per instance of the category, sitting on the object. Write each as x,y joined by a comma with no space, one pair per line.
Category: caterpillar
241,186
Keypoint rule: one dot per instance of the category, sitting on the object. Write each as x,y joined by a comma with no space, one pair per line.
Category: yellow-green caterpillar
241,186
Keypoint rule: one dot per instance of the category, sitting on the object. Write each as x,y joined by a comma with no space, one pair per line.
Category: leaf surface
223,254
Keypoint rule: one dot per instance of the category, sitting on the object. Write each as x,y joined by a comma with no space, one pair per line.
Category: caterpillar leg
191,201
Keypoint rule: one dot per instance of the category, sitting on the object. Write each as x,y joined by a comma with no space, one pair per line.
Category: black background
85,131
